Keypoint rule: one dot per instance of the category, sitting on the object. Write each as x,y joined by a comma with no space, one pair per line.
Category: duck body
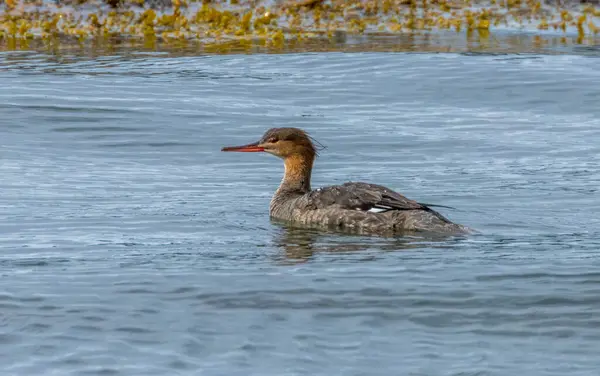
358,207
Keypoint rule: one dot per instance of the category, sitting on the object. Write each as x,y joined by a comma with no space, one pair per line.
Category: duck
356,207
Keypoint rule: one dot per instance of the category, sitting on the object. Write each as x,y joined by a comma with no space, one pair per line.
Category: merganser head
281,142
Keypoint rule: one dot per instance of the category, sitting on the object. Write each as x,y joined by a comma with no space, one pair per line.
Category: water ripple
134,247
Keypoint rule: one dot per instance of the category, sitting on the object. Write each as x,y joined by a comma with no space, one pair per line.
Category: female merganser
358,207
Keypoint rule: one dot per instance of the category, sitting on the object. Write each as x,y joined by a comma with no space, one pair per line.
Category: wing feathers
365,197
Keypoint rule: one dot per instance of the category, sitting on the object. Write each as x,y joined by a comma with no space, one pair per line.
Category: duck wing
364,197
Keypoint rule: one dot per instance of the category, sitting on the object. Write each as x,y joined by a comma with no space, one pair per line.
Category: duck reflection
299,245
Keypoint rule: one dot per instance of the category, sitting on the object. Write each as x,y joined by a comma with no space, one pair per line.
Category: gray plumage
349,206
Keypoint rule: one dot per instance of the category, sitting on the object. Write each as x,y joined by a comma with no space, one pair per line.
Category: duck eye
272,140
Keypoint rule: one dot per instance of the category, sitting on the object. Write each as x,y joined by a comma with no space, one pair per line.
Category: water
131,246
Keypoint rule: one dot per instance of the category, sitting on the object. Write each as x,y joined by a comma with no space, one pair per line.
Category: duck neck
298,168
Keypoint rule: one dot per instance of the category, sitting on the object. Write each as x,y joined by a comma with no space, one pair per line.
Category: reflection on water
299,244
433,42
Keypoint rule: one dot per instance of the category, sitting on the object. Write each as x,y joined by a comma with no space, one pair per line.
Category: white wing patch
376,210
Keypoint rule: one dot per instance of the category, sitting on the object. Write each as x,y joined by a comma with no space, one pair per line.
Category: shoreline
279,24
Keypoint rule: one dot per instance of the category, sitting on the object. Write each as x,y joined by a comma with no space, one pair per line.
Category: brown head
282,142
295,147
